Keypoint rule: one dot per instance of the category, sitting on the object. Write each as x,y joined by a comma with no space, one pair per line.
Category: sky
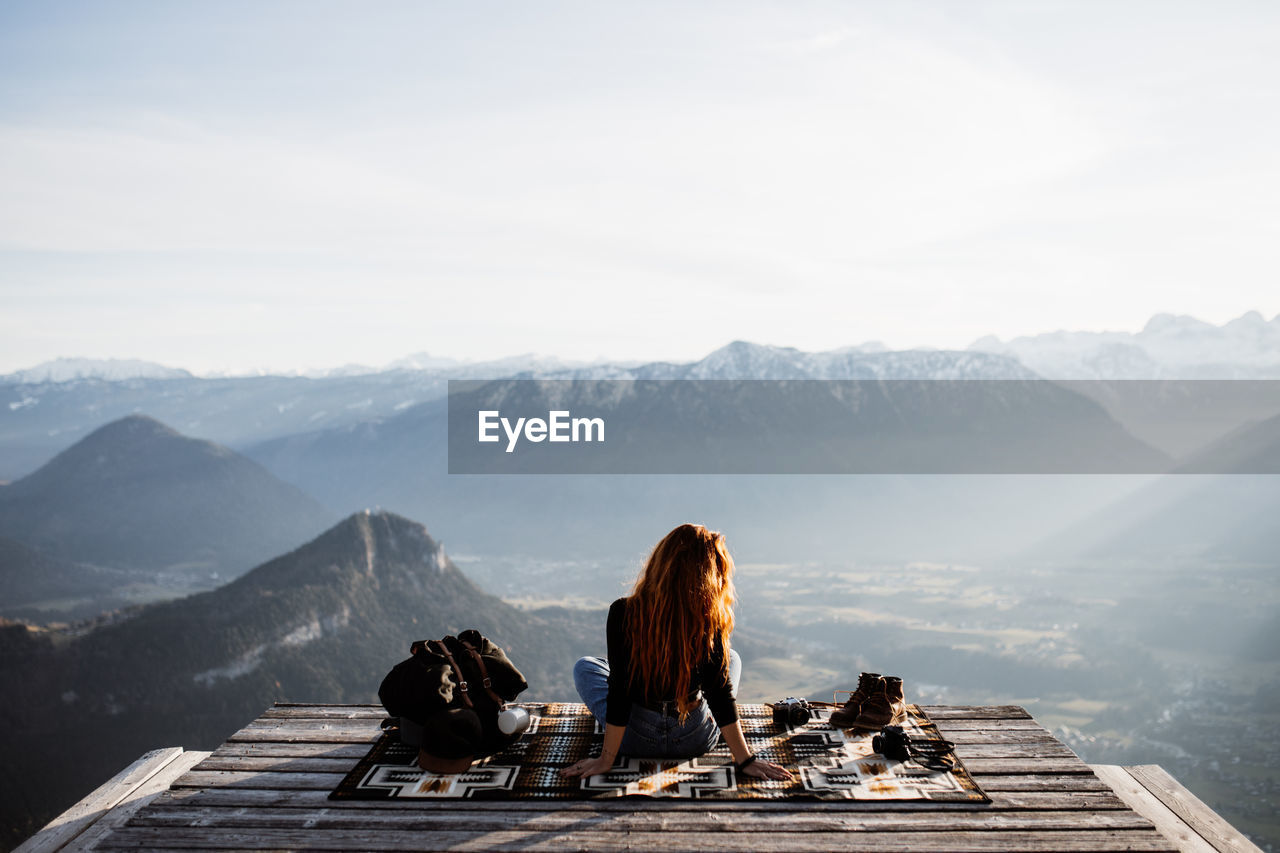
233,186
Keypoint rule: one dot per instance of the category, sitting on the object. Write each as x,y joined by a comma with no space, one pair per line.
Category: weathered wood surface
1207,823
628,821
1144,803
587,839
1000,800
111,803
268,787
133,802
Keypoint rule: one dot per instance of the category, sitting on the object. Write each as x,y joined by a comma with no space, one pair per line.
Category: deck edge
1177,814
66,827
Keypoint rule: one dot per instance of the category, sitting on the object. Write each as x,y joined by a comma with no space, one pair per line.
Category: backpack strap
457,672
484,674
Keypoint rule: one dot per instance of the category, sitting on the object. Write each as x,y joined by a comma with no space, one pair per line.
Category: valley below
1129,664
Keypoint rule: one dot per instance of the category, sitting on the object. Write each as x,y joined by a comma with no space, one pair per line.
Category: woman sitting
667,689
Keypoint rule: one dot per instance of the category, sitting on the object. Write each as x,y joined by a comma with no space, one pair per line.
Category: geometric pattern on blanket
826,764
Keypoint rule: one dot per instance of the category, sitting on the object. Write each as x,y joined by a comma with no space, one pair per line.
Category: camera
791,712
892,742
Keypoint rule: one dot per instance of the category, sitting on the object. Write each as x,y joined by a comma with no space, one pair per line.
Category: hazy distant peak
1166,323
133,446
135,493
870,347
1250,320
136,425
114,369
423,361
1170,346
139,436
738,350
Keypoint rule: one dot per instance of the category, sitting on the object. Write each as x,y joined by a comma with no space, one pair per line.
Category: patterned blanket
826,763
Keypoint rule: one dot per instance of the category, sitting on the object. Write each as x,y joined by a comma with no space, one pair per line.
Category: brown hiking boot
843,717
884,707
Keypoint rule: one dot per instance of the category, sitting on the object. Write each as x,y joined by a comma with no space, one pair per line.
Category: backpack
446,697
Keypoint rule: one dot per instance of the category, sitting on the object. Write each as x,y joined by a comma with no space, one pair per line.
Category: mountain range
378,440
38,418
111,369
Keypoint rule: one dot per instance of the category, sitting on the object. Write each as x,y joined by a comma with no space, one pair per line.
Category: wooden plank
1040,782
300,725
709,820
995,725
280,732
334,734
587,840
75,820
1001,737
1048,749
249,779
276,735
200,778
968,712
1000,800
983,762
139,798
1143,802
327,705
938,713
1207,823
975,712
309,764
295,718
274,749
324,712
978,765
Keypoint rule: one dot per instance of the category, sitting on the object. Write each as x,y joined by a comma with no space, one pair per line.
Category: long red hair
681,606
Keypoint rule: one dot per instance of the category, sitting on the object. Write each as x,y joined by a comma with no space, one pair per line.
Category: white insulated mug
513,721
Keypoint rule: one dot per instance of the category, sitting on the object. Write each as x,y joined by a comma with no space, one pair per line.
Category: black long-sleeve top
711,676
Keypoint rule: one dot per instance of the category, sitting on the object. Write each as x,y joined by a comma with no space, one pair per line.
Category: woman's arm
591,766
758,767
618,702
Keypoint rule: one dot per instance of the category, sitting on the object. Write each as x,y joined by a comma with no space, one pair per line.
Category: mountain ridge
138,495
323,623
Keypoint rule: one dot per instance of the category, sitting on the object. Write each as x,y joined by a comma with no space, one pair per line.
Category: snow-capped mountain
110,369
1168,347
744,360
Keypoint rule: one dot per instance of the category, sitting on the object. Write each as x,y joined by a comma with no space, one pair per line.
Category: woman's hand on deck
762,769
587,767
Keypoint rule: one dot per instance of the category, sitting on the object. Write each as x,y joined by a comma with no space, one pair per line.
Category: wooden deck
267,788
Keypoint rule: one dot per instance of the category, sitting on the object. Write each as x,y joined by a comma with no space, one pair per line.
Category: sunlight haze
233,186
